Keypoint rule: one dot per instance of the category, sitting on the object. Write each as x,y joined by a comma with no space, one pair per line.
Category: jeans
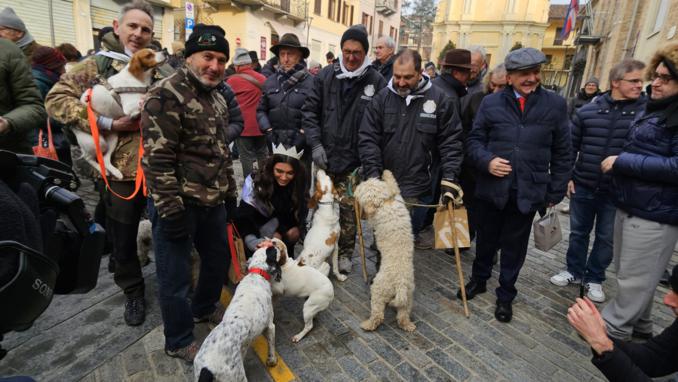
173,268
418,215
251,149
587,206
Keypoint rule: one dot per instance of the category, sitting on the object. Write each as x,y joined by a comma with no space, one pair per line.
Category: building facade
559,53
495,24
410,39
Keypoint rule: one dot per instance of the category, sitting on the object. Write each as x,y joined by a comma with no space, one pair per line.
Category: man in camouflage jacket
132,32
189,172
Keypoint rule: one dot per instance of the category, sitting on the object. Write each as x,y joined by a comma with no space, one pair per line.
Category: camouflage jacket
186,134
63,104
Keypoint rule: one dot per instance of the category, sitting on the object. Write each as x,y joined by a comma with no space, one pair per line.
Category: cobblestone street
83,337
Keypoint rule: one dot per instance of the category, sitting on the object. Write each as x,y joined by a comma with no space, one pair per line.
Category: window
568,61
381,28
662,10
391,33
557,40
331,9
338,12
317,7
345,16
549,58
351,22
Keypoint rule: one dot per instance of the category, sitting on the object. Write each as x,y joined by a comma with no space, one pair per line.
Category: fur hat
358,33
668,55
242,57
207,37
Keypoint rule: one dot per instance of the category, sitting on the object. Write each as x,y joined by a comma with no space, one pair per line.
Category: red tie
522,103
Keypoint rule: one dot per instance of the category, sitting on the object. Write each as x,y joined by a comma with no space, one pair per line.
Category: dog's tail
205,375
402,295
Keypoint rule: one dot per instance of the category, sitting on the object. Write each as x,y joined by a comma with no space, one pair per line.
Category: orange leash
140,179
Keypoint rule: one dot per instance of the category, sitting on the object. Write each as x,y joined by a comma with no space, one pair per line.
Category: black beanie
359,33
207,37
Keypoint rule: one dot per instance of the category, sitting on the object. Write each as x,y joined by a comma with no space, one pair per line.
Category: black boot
473,288
135,311
503,312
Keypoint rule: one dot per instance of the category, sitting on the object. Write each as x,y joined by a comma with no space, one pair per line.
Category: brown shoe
186,353
213,319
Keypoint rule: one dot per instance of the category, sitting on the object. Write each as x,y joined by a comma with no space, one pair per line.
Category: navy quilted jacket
645,181
537,143
599,129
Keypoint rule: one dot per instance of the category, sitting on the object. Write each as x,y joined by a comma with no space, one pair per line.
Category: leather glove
176,226
320,157
450,192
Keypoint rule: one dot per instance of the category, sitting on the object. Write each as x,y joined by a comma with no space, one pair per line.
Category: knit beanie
593,80
242,57
674,279
358,33
207,37
49,58
9,19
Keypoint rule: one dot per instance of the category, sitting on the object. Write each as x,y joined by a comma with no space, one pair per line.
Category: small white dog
394,283
322,240
249,314
120,95
299,280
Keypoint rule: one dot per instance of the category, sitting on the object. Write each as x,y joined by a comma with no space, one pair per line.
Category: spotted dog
249,314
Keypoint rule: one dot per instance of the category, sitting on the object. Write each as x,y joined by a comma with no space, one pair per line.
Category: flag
570,19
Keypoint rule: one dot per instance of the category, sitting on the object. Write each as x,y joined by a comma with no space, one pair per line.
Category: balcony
294,10
387,7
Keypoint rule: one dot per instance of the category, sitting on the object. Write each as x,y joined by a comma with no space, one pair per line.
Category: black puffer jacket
385,69
599,130
579,100
333,111
280,109
452,88
407,140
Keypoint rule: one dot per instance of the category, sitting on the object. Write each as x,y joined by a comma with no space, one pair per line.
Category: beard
403,92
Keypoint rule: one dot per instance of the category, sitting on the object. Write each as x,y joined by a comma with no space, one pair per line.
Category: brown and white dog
300,280
118,96
322,240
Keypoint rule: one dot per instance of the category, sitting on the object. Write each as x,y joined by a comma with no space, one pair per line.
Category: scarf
668,107
293,76
25,40
422,87
456,85
354,74
51,75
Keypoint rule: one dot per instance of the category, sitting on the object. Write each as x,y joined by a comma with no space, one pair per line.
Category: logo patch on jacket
429,108
368,92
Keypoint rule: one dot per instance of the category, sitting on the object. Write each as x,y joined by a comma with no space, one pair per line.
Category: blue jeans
418,214
173,269
587,206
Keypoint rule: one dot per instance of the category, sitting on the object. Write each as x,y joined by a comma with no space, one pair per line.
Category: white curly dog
322,240
394,283
250,313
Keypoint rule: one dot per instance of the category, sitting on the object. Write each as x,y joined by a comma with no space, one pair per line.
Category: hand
319,157
570,189
4,125
450,192
499,167
585,318
126,123
265,244
607,163
176,226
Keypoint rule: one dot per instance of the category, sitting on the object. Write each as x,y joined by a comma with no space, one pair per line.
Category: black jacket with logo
408,140
333,111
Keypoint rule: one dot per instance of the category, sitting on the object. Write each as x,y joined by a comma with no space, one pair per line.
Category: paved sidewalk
84,337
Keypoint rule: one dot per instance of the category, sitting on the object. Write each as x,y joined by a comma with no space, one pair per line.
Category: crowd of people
514,147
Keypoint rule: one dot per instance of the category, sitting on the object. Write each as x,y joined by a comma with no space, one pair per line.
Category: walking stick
457,257
358,214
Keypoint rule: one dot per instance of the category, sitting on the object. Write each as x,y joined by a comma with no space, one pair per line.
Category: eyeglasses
354,53
663,78
635,81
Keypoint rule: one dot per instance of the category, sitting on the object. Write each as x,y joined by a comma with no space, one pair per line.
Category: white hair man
384,52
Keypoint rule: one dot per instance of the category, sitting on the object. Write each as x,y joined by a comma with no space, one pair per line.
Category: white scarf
423,85
114,55
345,73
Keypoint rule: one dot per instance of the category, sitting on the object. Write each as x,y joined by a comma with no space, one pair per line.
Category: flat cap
524,58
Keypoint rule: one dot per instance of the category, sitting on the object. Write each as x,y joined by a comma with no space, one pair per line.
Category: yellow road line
279,372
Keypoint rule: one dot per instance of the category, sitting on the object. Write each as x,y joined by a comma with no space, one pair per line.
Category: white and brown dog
118,96
299,280
322,240
249,314
394,283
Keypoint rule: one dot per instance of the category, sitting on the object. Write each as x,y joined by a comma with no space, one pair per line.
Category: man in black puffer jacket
645,191
331,117
599,130
520,144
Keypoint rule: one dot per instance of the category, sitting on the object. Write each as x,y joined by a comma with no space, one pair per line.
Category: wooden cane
457,257
359,225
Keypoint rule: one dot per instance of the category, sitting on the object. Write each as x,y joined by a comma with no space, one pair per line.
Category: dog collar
261,272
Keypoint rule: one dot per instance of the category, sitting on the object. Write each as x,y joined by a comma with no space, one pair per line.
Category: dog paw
340,277
368,325
408,327
297,338
270,362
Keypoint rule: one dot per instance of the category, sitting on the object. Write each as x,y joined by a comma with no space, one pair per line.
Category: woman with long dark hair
273,201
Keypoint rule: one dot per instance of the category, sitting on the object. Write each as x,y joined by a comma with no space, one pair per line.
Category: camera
49,244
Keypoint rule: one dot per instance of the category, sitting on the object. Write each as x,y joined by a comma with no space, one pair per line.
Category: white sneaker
564,278
595,292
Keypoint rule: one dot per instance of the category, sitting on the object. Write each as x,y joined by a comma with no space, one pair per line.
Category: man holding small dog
132,31
520,144
411,116
189,172
330,119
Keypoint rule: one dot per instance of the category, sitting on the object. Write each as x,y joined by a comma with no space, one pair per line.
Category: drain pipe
51,22
630,32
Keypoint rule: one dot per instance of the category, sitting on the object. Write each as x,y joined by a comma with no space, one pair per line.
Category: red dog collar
261,272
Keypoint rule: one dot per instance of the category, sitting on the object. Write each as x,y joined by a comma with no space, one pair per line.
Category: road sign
262,50
190,23
190,10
